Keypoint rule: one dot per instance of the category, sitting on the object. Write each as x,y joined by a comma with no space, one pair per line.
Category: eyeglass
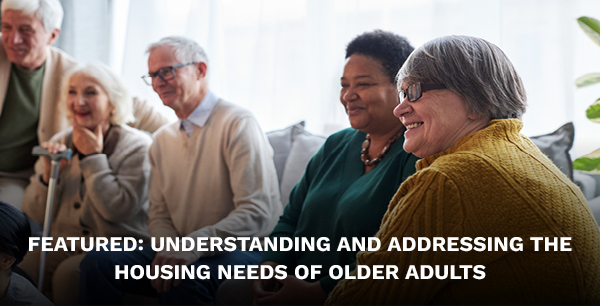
415,91
165,73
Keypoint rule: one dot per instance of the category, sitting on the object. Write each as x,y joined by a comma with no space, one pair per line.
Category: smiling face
87,102
25,39
368,95
184,88
436,121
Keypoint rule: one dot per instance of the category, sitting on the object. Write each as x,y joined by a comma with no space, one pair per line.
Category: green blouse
336,199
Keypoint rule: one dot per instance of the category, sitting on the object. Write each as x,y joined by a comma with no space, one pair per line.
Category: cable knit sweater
492,183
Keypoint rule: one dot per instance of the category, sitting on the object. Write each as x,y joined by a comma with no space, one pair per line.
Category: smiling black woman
348,182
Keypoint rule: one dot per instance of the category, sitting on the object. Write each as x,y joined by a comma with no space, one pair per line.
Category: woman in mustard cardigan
461,101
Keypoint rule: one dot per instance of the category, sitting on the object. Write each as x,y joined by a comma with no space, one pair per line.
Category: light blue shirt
200,115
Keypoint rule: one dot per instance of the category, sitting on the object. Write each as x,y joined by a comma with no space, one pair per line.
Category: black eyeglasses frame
418,89
150,76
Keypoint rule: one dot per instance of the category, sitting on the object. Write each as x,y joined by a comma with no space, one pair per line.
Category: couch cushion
586,183
595,208
293,147
281,141
557,145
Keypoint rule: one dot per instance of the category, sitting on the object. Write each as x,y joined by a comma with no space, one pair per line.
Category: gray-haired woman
102,190
461,100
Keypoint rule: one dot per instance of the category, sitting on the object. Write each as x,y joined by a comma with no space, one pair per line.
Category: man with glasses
30,74
212,176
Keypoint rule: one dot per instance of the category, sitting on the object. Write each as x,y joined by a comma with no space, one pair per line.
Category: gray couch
556,146
590,185
293,147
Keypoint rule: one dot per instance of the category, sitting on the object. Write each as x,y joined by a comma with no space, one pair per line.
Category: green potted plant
591,161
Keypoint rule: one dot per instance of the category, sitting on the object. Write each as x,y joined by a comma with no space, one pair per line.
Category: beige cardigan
97,196
52,117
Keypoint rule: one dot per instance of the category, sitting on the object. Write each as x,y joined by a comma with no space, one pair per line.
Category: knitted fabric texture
492,183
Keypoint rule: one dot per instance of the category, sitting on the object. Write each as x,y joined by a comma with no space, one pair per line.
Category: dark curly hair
389,49
14,232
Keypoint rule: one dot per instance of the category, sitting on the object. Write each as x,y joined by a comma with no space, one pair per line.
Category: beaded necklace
364,153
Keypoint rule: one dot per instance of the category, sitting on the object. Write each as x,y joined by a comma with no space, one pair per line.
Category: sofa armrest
597,178
587,183
595,208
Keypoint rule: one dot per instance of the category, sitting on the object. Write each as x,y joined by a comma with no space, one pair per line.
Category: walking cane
55,159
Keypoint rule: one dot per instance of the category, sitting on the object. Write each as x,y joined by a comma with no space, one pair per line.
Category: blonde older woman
461,100
102,190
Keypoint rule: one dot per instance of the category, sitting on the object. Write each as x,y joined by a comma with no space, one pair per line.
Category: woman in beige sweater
102,190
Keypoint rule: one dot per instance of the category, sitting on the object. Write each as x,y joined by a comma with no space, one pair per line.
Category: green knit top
335,199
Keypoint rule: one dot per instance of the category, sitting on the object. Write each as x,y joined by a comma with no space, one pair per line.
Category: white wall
282,59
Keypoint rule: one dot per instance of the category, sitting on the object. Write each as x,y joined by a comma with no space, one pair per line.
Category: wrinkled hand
171,258
53,148
88,142
293,291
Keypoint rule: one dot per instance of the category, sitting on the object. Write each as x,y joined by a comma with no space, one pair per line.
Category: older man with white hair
30,74
212,176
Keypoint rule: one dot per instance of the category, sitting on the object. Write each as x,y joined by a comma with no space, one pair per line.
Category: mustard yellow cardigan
492,183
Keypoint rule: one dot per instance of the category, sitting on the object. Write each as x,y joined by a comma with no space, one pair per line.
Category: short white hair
49,12
186,50
113,85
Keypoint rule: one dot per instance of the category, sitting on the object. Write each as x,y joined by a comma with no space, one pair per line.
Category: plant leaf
591,27
588,79
586,164
593,112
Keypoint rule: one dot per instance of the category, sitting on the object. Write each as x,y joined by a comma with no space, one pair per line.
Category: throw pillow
304,147
293,147
281,141
557,145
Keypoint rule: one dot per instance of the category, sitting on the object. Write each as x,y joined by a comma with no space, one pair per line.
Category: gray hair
186,50
472,67
49,12
113,85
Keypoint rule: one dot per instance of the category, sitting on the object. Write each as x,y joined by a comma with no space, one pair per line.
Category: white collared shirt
200,115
